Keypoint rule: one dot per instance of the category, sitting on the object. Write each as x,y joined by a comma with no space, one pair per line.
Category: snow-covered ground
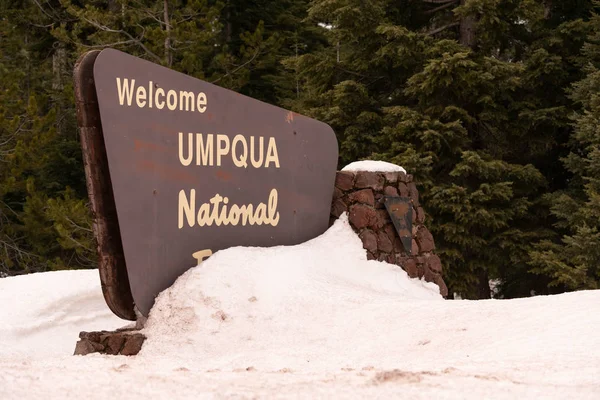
315,320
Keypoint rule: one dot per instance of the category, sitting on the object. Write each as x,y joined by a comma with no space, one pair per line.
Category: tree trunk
168,52
483,288
467,29
296,68
59,68
547,9
59,64
113,6
228,28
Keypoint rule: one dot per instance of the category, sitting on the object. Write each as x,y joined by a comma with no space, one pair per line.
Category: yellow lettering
217,211
247,216
201,102
222,150
239,160
125,91
183,160
140,96
159,92
214,216
204,151
186,207
234,215
272,153
204,215
255,163
273,213
188,99
261,214
172,99
223,214
202,254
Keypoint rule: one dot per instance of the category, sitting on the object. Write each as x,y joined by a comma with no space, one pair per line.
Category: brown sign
179,168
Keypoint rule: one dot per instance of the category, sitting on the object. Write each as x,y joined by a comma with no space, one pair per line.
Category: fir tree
447,90
574,262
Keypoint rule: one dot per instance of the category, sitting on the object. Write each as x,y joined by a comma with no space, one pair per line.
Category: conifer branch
443,28
121,31
438,1
101,46
43,11
76,225
239,67
442,7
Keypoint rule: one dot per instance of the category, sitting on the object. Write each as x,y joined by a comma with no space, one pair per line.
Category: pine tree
471,96
41,156
450,91
256,37
44,222
459,127
574,262
13,251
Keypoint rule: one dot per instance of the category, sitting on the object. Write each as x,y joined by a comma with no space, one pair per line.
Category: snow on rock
43,313
374,166
288,301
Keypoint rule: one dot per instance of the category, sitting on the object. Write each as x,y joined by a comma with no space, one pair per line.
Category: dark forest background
493,105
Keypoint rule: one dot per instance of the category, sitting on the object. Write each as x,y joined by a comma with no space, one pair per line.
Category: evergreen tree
491,104
39,159
44,219
466,95
13,252
236,44
574,262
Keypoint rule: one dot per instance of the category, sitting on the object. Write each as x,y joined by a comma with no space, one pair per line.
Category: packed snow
374,166
43,313
316,320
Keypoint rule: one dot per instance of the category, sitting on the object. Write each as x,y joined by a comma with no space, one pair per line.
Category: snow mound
288,301
375,166
43,313
315,320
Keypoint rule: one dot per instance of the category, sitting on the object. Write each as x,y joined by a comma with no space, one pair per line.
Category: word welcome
157,98
218,212
241,150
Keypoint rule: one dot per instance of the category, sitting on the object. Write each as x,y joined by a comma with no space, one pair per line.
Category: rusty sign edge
114,279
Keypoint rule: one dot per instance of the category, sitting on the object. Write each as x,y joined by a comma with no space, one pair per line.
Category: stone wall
361,194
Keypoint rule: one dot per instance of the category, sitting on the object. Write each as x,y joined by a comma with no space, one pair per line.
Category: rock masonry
125,342
361,194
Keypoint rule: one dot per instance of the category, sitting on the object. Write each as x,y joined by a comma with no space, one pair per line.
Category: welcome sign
179,168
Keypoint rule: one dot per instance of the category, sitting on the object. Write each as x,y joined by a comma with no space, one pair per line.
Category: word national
244,151
156,97
218,212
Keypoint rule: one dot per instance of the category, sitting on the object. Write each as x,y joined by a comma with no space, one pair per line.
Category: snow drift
42,314
315,320
288,301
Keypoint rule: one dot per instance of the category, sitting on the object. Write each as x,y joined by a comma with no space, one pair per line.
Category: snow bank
375,166
315,320
43,313
289,301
